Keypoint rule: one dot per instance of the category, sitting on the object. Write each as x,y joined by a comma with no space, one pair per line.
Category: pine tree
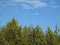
39,36
13,34
3,41
50,37
25,35
57,34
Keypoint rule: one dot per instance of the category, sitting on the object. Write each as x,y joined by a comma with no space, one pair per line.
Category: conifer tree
13,34
50,37
39,36
3,41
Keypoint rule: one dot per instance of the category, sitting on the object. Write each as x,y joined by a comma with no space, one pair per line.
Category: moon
37,14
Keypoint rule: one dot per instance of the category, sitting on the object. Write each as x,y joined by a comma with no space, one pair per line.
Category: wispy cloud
53,4
28,4
33,3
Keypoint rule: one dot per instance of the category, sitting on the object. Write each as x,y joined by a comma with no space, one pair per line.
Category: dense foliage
13,34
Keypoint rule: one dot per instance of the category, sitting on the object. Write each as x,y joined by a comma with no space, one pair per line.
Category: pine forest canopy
13,34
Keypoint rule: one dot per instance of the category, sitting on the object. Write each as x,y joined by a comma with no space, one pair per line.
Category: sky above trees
43,12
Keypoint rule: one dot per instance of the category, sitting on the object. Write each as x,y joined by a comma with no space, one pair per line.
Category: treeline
13,34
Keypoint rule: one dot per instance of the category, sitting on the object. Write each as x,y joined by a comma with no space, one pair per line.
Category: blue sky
43,12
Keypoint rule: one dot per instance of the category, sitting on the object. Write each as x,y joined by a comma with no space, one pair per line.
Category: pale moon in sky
37,13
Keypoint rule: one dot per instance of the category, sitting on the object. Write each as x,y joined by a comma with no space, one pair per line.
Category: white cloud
52,2
38,4
33,3
18,0
54,6
26,4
